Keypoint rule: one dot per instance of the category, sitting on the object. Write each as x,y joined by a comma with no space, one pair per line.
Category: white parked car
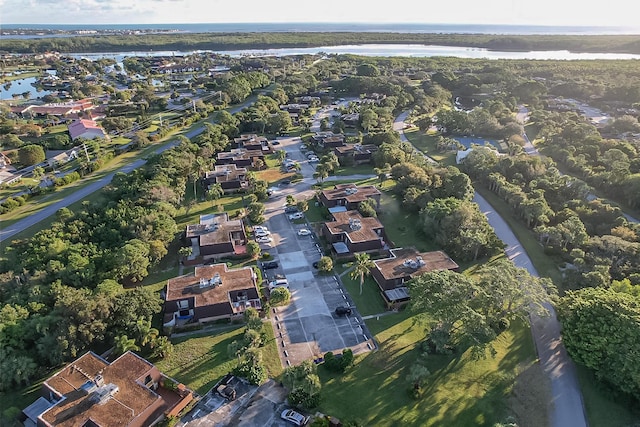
294,417
313,159
278,284
310,155
297,215
264,239
260,228
304,232
262,233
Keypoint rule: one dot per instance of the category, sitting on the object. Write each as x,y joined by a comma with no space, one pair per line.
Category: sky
516,12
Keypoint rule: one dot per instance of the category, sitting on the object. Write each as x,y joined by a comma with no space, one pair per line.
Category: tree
281,155
322,172
279,296
601,330
146,335
253,249
123,343
161,347
31,155
362,267
256,212
303,383
325,264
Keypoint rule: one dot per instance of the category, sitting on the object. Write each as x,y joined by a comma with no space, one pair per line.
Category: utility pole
193,101
86,152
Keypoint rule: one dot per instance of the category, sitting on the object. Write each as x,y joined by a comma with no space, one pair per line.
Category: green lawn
354,170
427,144
460,392
402,227
200,360
370,302
22,185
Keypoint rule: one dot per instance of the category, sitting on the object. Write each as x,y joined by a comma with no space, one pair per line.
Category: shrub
279,296
340,362
299,397
325,264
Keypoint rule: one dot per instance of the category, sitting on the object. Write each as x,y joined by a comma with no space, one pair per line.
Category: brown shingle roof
78,407
214,229
347,222
346,191
188,286
395,267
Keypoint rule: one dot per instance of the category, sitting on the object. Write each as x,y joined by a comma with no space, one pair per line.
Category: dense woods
233,41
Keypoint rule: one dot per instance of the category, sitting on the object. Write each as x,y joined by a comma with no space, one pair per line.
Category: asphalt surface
566,408
6,232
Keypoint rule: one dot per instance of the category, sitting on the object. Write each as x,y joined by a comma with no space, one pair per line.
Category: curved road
566,408
81,193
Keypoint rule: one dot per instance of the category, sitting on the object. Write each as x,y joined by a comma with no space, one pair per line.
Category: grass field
460,391
370,302
427,144
200,360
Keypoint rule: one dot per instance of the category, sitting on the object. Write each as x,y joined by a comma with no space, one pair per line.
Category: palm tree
362,268
146,334
123,343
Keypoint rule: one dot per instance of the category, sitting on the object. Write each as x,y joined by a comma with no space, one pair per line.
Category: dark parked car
290,209
315,264
269,265
276,142
285,182
343,311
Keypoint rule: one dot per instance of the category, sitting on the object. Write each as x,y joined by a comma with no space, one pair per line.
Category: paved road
10,231
566,408
399,125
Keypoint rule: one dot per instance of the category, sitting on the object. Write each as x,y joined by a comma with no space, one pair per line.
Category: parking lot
308,327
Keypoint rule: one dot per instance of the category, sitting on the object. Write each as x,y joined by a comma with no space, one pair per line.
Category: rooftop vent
355,224
103,394
420,261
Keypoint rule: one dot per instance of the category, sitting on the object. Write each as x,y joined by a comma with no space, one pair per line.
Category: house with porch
90,391
87,129
211,292
216,236
230,177
350,232
403,264
349,196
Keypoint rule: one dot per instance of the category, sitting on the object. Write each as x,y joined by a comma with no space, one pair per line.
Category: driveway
308,327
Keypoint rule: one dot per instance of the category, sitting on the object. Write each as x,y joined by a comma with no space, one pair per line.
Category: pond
20,86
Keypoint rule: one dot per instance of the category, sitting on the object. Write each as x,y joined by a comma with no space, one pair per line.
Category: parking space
308,327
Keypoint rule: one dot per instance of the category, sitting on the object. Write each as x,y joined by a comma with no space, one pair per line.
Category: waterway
385,50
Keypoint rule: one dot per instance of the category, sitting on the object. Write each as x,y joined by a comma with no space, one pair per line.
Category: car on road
285,182
269,265
297,215
276,142
290,209
294,417
304,232
343,311
264,239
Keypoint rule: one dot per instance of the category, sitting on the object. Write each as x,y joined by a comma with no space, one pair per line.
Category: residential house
230,178
240,157
327,139
318,137
351,120
211,292
350,232
63,157
391,274
90,391
87,129
216,236
251,142
349,196
356,154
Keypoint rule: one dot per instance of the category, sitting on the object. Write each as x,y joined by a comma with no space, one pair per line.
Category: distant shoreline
265,27
625,44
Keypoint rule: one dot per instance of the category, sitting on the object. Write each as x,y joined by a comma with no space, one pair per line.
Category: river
386,50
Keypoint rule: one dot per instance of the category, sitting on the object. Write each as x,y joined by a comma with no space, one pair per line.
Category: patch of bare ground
530,397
